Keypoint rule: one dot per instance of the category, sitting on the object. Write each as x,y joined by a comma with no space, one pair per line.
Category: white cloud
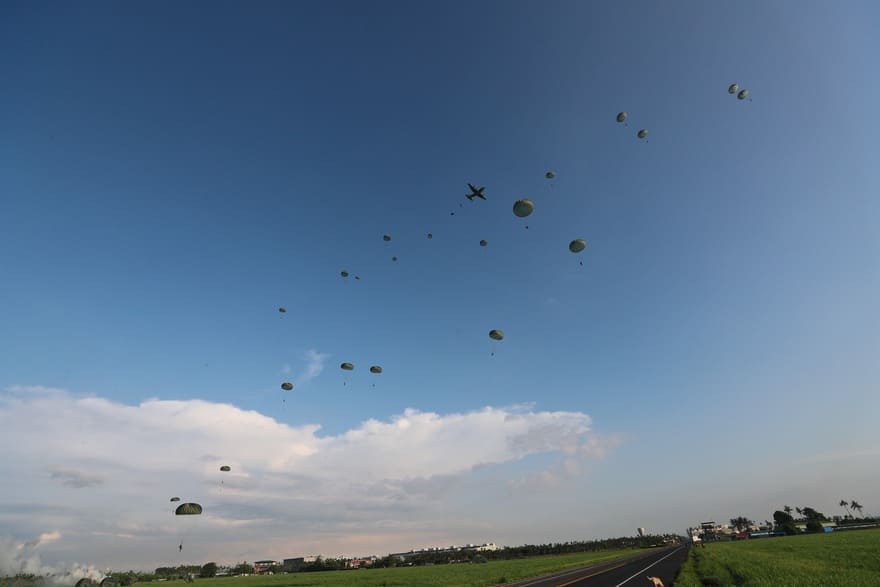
74,478
47,537
314,365
115,466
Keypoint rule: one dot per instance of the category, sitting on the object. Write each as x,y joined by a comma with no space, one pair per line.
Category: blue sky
170,175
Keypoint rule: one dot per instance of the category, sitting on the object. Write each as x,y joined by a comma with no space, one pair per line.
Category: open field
844,559
458,575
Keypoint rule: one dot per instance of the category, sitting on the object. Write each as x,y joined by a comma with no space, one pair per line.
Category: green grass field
459,575
844,559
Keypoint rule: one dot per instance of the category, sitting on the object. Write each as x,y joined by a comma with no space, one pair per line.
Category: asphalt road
629,572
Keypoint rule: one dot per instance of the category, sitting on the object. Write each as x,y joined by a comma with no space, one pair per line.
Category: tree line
784,521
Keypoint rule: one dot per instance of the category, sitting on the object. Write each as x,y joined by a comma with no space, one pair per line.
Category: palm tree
856,506
845,504
799,511
787,509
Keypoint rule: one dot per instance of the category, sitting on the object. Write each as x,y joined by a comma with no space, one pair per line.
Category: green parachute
743,94
225,468
188,509
550,174
577,245
287,386
386,238
523,208
621,117
483,243
496,335
376,369
642,133
732,88
174,499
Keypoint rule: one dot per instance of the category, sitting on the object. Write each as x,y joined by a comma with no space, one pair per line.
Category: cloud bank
101,474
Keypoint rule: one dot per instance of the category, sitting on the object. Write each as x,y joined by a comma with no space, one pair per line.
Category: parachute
743,94
621,117
174,499
577,245
347,367
188,509
483,243
732,88
394,259
430,236
343,273
375,369
642,133
282,310
496,335
523,208
287,386
550,174
225,468
386,238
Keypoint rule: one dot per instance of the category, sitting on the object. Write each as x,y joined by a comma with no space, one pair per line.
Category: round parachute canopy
225,468
174,499
621,116
743,94
642,133
376,369
287,386
282,310
483,243
577,245
523,208
343,273
347,367
188,509
732,88
496,335
394,259
386,238
430,236
550,174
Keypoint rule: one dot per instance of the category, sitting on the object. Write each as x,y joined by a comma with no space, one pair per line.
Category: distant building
642,532
263,567
488,546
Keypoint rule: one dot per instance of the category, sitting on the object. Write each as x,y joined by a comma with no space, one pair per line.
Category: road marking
588,576
539,580
648,567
